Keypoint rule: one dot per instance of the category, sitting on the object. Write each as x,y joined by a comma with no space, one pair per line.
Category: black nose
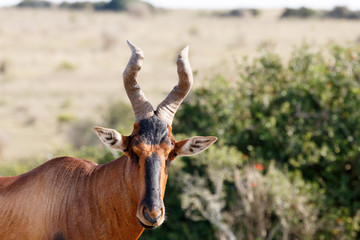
153,215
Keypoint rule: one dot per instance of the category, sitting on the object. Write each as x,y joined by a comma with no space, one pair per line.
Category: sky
230,4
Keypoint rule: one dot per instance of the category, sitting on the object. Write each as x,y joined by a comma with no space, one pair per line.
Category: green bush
302,12
113,5
79,5
35,4
117,5
303,115
245,200
255,12
338,12
239,12
343,12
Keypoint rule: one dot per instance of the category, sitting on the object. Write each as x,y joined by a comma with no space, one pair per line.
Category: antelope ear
192,146
111,138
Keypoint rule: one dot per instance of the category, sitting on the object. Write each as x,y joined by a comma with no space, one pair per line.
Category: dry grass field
56,66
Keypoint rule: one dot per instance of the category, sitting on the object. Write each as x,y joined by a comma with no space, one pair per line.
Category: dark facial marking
152,197
59,236
145,226
153,131
195,146
110,138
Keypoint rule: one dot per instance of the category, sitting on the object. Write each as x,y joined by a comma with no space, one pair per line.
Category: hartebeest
68,198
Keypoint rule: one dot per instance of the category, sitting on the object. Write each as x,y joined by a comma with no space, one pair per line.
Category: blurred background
277,82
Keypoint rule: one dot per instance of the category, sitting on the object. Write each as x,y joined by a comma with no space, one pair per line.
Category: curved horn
167,108
141,106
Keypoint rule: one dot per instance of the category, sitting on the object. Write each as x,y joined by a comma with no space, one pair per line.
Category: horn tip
129,43
184,53
133,47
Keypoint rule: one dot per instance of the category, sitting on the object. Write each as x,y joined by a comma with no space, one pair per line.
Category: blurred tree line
338,12
287,163
112,5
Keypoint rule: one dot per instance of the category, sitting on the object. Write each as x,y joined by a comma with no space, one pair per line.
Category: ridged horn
140,105
167,108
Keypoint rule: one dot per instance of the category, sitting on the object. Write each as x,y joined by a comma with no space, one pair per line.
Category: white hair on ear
110,138
196,145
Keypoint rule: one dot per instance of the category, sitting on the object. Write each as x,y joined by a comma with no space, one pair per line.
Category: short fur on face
150,148
79,199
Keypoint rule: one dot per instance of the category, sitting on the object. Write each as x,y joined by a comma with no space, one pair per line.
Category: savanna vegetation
112,5
286,165
338,12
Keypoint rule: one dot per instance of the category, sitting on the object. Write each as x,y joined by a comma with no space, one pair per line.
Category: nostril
157,214
152,216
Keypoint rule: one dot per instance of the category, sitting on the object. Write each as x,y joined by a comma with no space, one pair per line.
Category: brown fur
71,196
68,198
77,199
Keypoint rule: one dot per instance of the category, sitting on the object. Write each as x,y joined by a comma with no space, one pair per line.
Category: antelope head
151,146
